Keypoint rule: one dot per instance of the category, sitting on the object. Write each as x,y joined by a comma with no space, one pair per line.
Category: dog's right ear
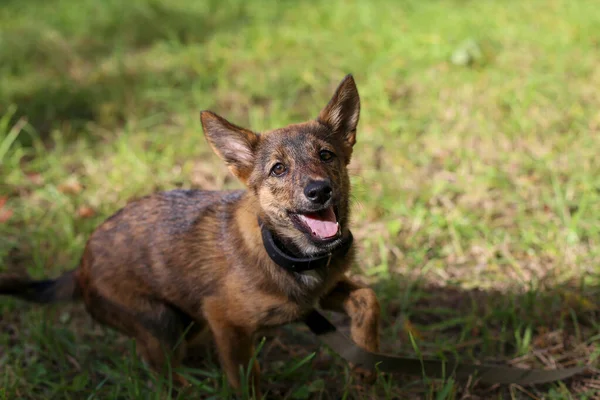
235,145
342,113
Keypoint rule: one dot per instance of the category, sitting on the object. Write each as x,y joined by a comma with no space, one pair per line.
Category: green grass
476,174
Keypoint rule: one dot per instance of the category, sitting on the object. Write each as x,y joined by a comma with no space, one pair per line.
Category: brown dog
233,262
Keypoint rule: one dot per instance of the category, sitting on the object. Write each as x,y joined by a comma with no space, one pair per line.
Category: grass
476,174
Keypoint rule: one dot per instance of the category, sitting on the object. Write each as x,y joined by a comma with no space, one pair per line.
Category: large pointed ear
235,145
343,110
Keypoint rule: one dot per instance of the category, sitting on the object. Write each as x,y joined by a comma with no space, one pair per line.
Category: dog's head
299,172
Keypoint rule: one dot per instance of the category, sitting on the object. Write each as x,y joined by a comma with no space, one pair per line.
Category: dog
171,265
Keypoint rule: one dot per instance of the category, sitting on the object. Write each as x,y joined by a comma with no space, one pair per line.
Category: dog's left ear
343,110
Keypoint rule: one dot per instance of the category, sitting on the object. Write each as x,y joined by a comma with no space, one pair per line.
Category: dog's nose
318,191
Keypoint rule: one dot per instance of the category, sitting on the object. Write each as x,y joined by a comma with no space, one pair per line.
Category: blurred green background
476,174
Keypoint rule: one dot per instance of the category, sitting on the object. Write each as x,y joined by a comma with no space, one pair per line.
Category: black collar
293,264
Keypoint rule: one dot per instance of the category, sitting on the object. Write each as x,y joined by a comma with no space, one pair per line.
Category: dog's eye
326,155
278,169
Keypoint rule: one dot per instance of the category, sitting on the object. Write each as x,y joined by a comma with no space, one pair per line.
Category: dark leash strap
431,368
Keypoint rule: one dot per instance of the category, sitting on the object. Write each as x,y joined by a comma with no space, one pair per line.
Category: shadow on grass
556,328
57,77
545,329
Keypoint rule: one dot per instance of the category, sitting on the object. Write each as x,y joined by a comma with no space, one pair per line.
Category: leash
433,368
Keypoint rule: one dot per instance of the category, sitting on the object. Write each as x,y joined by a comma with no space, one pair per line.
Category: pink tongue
323,225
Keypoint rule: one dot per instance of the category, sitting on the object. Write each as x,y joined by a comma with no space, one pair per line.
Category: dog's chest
311,280
310,285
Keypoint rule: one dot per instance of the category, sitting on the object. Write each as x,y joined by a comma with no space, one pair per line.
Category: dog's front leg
361,305
235,348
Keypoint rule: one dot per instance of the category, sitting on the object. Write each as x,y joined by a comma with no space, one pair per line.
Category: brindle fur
173,258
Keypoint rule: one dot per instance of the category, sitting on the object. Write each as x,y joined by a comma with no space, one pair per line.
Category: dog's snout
318,192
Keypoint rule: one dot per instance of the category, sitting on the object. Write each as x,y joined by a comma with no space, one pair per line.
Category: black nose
318,191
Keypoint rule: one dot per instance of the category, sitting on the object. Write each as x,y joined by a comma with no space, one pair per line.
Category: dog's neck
280,251
282,255
285,245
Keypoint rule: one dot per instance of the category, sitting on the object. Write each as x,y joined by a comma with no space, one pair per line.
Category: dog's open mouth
321,225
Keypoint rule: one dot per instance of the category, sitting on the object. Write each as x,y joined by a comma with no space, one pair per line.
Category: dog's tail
64,288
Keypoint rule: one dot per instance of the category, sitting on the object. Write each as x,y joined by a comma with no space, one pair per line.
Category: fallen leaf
35,178
5,212
575,300
74,363
467,53
70,187
86,212
65,317
412,330
5,215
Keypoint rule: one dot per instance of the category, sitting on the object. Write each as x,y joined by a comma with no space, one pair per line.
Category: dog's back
160,244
